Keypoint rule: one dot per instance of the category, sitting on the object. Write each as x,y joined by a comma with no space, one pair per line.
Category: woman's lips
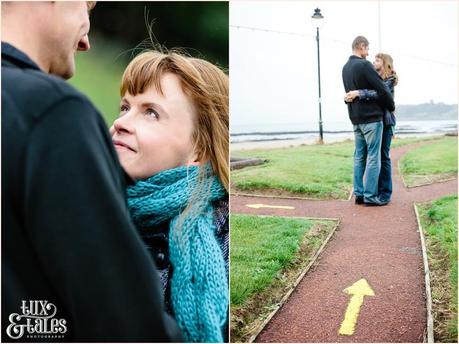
122,145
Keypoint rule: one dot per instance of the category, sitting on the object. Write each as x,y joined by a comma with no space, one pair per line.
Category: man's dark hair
358,41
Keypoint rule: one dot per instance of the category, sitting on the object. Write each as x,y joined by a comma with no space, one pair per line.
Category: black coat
367,95
359,74
67,237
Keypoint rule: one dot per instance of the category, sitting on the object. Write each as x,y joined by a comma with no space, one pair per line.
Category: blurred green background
118,28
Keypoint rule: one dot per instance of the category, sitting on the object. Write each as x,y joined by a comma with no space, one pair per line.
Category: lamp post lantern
317,20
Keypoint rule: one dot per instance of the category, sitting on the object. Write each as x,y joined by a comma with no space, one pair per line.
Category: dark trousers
385,176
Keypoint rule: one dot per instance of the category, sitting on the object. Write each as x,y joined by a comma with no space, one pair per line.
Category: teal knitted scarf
199,286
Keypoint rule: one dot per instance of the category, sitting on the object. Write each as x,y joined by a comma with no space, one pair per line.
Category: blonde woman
172,139
384,65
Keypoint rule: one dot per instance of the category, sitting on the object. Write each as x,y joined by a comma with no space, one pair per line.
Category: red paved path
380,244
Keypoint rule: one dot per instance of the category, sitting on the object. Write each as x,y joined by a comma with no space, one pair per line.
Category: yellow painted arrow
358,290
258,206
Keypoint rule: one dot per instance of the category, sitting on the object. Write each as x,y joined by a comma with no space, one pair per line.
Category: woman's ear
193,163
193,160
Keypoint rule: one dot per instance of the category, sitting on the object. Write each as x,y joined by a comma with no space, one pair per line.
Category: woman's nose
122,125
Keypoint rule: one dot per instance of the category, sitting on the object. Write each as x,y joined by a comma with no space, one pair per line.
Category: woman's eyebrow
154,105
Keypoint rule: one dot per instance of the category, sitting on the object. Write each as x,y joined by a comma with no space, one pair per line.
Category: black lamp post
317,21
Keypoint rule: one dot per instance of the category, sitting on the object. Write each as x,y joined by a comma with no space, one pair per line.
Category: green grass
98,75
439,222
260,248
267,256
316,171
397,142
310,170
430,162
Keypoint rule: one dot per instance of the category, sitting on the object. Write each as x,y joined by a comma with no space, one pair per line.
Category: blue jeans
367,160
385,176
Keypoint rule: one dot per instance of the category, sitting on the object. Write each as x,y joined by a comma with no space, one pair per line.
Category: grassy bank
267,254
310,171
430,163
313,171
439,222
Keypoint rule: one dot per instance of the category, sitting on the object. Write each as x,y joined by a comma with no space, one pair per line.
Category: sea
332,131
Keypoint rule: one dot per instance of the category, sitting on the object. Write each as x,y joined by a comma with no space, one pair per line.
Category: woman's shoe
359,200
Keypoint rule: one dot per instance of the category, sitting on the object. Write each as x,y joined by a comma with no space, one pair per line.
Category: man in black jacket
73,266
366,117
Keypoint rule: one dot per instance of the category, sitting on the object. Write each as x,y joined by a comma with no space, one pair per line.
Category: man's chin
65,72
68,73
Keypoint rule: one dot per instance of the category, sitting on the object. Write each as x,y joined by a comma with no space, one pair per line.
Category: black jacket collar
13,56
353,57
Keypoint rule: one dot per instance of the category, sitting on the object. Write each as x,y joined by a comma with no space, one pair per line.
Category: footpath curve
379,244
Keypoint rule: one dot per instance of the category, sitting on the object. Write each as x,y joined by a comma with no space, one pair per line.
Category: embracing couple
120,234
370,100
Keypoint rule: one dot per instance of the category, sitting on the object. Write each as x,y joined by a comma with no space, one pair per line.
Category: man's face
364,49
66,34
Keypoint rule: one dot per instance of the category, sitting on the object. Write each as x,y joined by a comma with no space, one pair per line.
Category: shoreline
270,144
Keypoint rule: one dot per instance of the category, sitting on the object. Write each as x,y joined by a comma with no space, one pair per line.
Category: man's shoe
374,204
359,200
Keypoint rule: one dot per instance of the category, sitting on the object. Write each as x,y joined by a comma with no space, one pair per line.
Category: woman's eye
151,112
124,108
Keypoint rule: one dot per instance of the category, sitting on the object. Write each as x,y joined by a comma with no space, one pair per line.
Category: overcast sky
274,75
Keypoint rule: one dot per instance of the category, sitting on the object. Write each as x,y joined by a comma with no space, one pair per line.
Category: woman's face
378,64
153,131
